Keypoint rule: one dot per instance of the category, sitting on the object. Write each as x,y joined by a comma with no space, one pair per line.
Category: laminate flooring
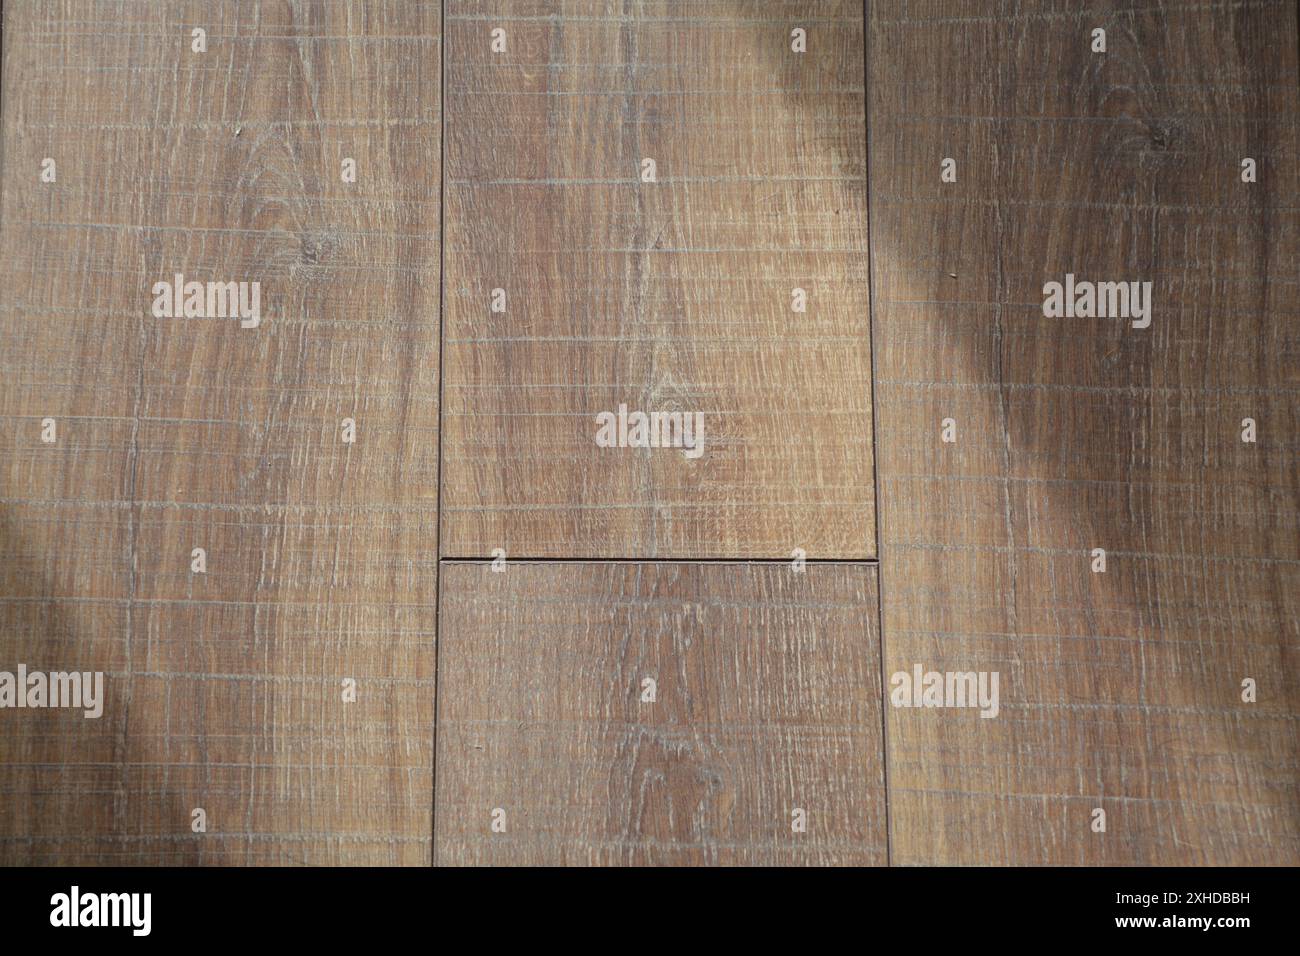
901,565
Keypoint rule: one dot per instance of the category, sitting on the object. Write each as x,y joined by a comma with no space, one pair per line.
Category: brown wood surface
767,700
665,296
224,689
1119,690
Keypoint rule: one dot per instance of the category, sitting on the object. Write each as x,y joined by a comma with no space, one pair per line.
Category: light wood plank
672,296
224,689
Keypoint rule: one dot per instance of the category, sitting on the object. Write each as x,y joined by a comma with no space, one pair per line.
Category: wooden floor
434,619
635,712
1122,690
670,295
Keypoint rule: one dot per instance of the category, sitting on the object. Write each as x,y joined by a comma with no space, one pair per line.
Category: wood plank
767,699
672,296
224,689
1119,690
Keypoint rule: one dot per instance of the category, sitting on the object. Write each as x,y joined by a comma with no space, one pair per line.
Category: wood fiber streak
224,689
1119,690
768,699
666,296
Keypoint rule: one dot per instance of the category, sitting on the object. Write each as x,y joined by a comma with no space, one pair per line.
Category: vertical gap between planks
875,432
442,377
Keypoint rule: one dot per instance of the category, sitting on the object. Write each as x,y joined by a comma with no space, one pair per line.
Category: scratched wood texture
224,690
666,296
767,699
1120,690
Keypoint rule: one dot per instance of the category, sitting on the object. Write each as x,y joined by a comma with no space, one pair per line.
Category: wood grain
1120,690
665,296
224,689
767,699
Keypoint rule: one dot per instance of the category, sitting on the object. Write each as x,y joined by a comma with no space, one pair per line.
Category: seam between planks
877,503
442,378
480,559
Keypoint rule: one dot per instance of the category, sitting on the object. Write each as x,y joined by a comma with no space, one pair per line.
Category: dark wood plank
224,689
671,296
1119,690
767,700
